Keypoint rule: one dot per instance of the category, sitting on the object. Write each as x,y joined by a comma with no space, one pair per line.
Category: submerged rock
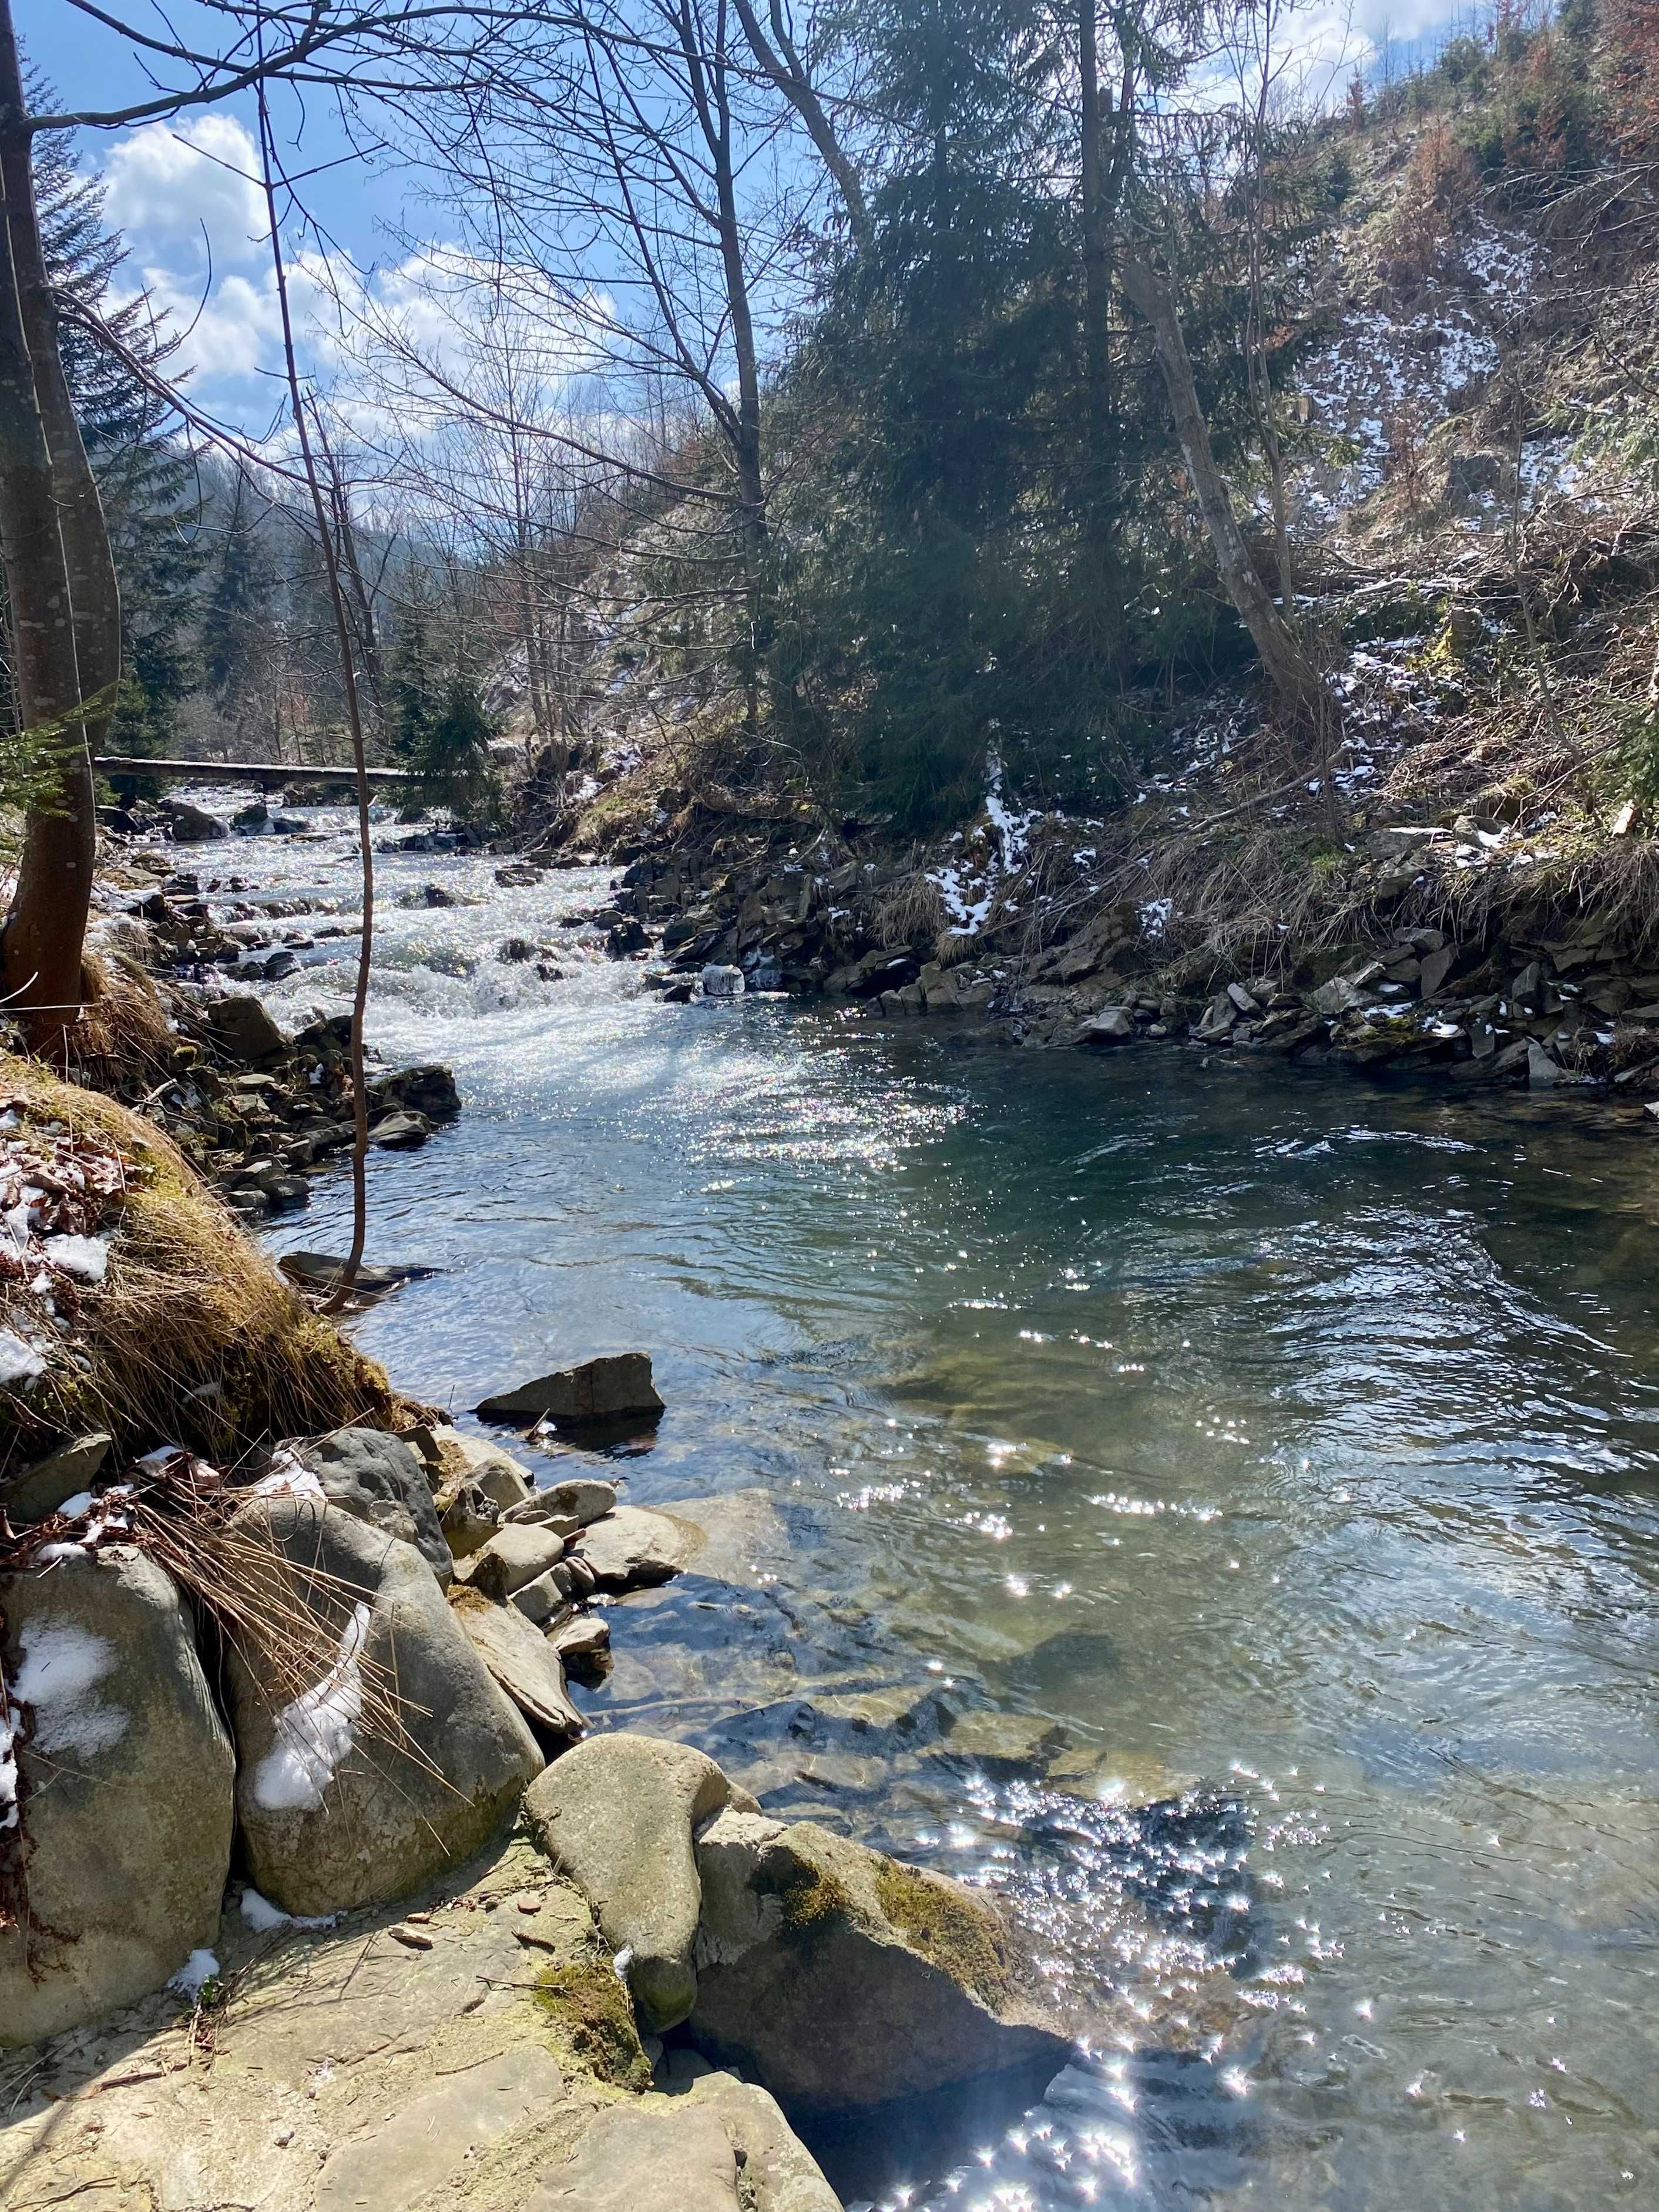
843,1980
617,1815
370,1760
116,1780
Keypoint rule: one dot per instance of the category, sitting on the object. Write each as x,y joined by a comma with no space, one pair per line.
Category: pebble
412,1938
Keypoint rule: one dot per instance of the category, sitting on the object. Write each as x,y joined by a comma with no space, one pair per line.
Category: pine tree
412,702
454,760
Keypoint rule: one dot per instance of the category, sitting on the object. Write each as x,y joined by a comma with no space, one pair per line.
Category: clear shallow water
1217,1423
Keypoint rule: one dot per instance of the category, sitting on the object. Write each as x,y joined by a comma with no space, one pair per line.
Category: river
1173,1422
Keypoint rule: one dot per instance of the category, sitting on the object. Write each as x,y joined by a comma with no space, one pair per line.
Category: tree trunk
1097,259
783,65
1304,698
52,536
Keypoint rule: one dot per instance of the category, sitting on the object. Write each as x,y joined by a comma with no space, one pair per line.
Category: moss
962,1937
588,2004
809,1897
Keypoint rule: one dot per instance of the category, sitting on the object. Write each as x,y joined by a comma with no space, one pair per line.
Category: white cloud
188,196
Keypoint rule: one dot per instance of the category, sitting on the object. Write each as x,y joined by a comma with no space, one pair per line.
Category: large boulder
841,1979
428,1089
375,1746
617,1815
193,825
115,1795
721,2146
608,1389
378,1479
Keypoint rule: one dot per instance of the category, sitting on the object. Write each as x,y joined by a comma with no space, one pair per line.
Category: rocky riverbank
1554,996
261,1938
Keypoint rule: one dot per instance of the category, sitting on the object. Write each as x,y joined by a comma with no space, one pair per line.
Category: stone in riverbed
547,1600
616,1815
524,1662
400,1132
121,1841
604,1389
193,825
476,1459
384,1753
632,1548
512,1557
242,1028
1111,1025
582,1499
843,1980
428,1089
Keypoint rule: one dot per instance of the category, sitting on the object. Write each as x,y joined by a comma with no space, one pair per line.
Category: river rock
843,1980
193,825
41,1489
428,1089
582,1499
121,1846
512,1556
632,1548
547,1600
616,1815
496,1473
400,1132
525,1663
468,1518
333,1813
380,1480
1111,1025
723,2146
604,1390
244,1030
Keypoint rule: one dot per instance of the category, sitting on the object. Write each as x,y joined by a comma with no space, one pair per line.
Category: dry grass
193,1338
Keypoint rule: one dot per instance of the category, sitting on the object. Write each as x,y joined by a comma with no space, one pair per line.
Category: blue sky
182,191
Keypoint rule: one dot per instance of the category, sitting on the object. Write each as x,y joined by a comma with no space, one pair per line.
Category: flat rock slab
632,1548
524,1662
425,2143
722,2147
349,2071
598,1390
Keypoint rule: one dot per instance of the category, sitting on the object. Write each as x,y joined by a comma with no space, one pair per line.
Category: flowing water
1172,1423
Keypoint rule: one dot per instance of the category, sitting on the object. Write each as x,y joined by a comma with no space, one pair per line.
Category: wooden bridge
266,775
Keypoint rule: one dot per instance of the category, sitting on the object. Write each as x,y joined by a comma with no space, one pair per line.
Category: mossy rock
589,2008
962,1939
